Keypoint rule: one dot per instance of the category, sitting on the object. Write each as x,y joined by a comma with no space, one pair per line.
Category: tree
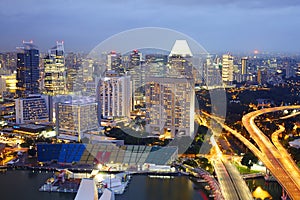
249,159
32,152
191,163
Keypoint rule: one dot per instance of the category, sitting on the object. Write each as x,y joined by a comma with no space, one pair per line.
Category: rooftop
181,48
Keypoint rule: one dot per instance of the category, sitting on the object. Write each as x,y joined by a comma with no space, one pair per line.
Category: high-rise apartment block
170,98
170,106
227,69
244,68
114,95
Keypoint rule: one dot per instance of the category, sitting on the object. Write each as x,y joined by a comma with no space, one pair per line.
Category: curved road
280,148
282,168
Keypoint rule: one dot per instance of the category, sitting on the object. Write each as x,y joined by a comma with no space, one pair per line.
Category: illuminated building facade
155,64
114,62
227,69
28,71
244,68
180,60
212,73
170,106
75,118
34,108
55,71
136,73
9,82
114,95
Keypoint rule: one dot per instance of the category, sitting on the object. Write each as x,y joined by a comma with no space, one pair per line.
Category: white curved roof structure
107,195
87,190
181,48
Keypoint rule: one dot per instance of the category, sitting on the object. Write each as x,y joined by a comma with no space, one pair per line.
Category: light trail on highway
282,168
276,161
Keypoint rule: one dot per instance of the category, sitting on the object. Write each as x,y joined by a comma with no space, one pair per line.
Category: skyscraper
155,65
170,106
114,95
114,62
76,118
136,74
244,68
212,73
170,98
55,71
28,71
180,63
227,69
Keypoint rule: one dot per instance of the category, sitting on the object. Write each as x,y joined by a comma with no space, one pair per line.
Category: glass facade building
55,71
28,71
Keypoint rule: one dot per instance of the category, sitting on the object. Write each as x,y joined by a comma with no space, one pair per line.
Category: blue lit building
28,71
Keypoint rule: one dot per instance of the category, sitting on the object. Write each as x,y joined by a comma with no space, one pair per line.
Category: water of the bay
19,184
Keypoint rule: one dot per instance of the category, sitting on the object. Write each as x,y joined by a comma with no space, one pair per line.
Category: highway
280,148
276,161
290,115
232,184
238,181
227,186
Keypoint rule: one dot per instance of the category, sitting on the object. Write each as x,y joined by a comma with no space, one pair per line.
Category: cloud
83,24
236,3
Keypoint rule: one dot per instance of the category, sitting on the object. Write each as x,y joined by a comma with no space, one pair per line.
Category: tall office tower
33,108
212,73
72,63
244,68
227,69
136,73
155,65
114,62
114,95
289,71
135,58
259,76
55,71
180,63
170,106
28,72
262,76
76,118
72,76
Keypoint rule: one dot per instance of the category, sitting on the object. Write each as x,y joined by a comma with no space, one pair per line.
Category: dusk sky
219,25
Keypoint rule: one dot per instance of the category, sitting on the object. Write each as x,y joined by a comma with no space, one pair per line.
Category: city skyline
218,25
205,92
